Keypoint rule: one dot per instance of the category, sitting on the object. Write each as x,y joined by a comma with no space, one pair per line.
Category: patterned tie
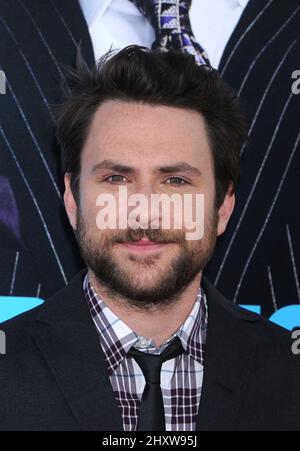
152,415
171,22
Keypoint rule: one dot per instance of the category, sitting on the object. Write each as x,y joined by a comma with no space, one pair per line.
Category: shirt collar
241,3
91,8
237,3
117,338
96,8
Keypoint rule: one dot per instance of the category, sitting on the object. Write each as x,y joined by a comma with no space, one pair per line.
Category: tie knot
171,22
165,8
151,364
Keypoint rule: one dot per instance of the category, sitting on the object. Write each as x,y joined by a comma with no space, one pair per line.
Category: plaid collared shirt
181,377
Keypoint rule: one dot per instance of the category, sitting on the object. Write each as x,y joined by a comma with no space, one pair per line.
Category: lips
143,242
143,245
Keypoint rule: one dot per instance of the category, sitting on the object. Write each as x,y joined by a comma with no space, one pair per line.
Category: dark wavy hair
138,74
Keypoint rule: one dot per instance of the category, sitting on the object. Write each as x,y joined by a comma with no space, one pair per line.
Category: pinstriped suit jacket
257,261
35,38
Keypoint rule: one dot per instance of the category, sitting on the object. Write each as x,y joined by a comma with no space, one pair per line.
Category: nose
148,217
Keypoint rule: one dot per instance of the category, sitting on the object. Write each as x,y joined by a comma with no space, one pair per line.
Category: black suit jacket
260,252
53,376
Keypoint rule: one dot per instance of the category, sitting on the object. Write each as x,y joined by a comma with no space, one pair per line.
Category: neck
156,323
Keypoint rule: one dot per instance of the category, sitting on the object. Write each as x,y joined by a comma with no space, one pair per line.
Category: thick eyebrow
170,169
180,167
113,166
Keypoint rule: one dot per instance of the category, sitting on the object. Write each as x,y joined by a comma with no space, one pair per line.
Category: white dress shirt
118,23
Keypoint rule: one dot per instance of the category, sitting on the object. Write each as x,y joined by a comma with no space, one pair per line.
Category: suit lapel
69,12
230,352
67,338
254,10
257,27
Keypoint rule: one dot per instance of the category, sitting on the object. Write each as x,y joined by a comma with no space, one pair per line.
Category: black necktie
152,415
171,22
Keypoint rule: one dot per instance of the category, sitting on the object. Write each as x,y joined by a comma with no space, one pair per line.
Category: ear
226,210
70,204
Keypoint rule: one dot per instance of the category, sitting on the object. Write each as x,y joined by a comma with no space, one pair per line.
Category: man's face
149,150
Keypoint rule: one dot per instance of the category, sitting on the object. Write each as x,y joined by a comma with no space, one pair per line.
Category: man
254,44
141,340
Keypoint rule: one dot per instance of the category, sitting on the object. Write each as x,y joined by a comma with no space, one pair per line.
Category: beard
166,283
